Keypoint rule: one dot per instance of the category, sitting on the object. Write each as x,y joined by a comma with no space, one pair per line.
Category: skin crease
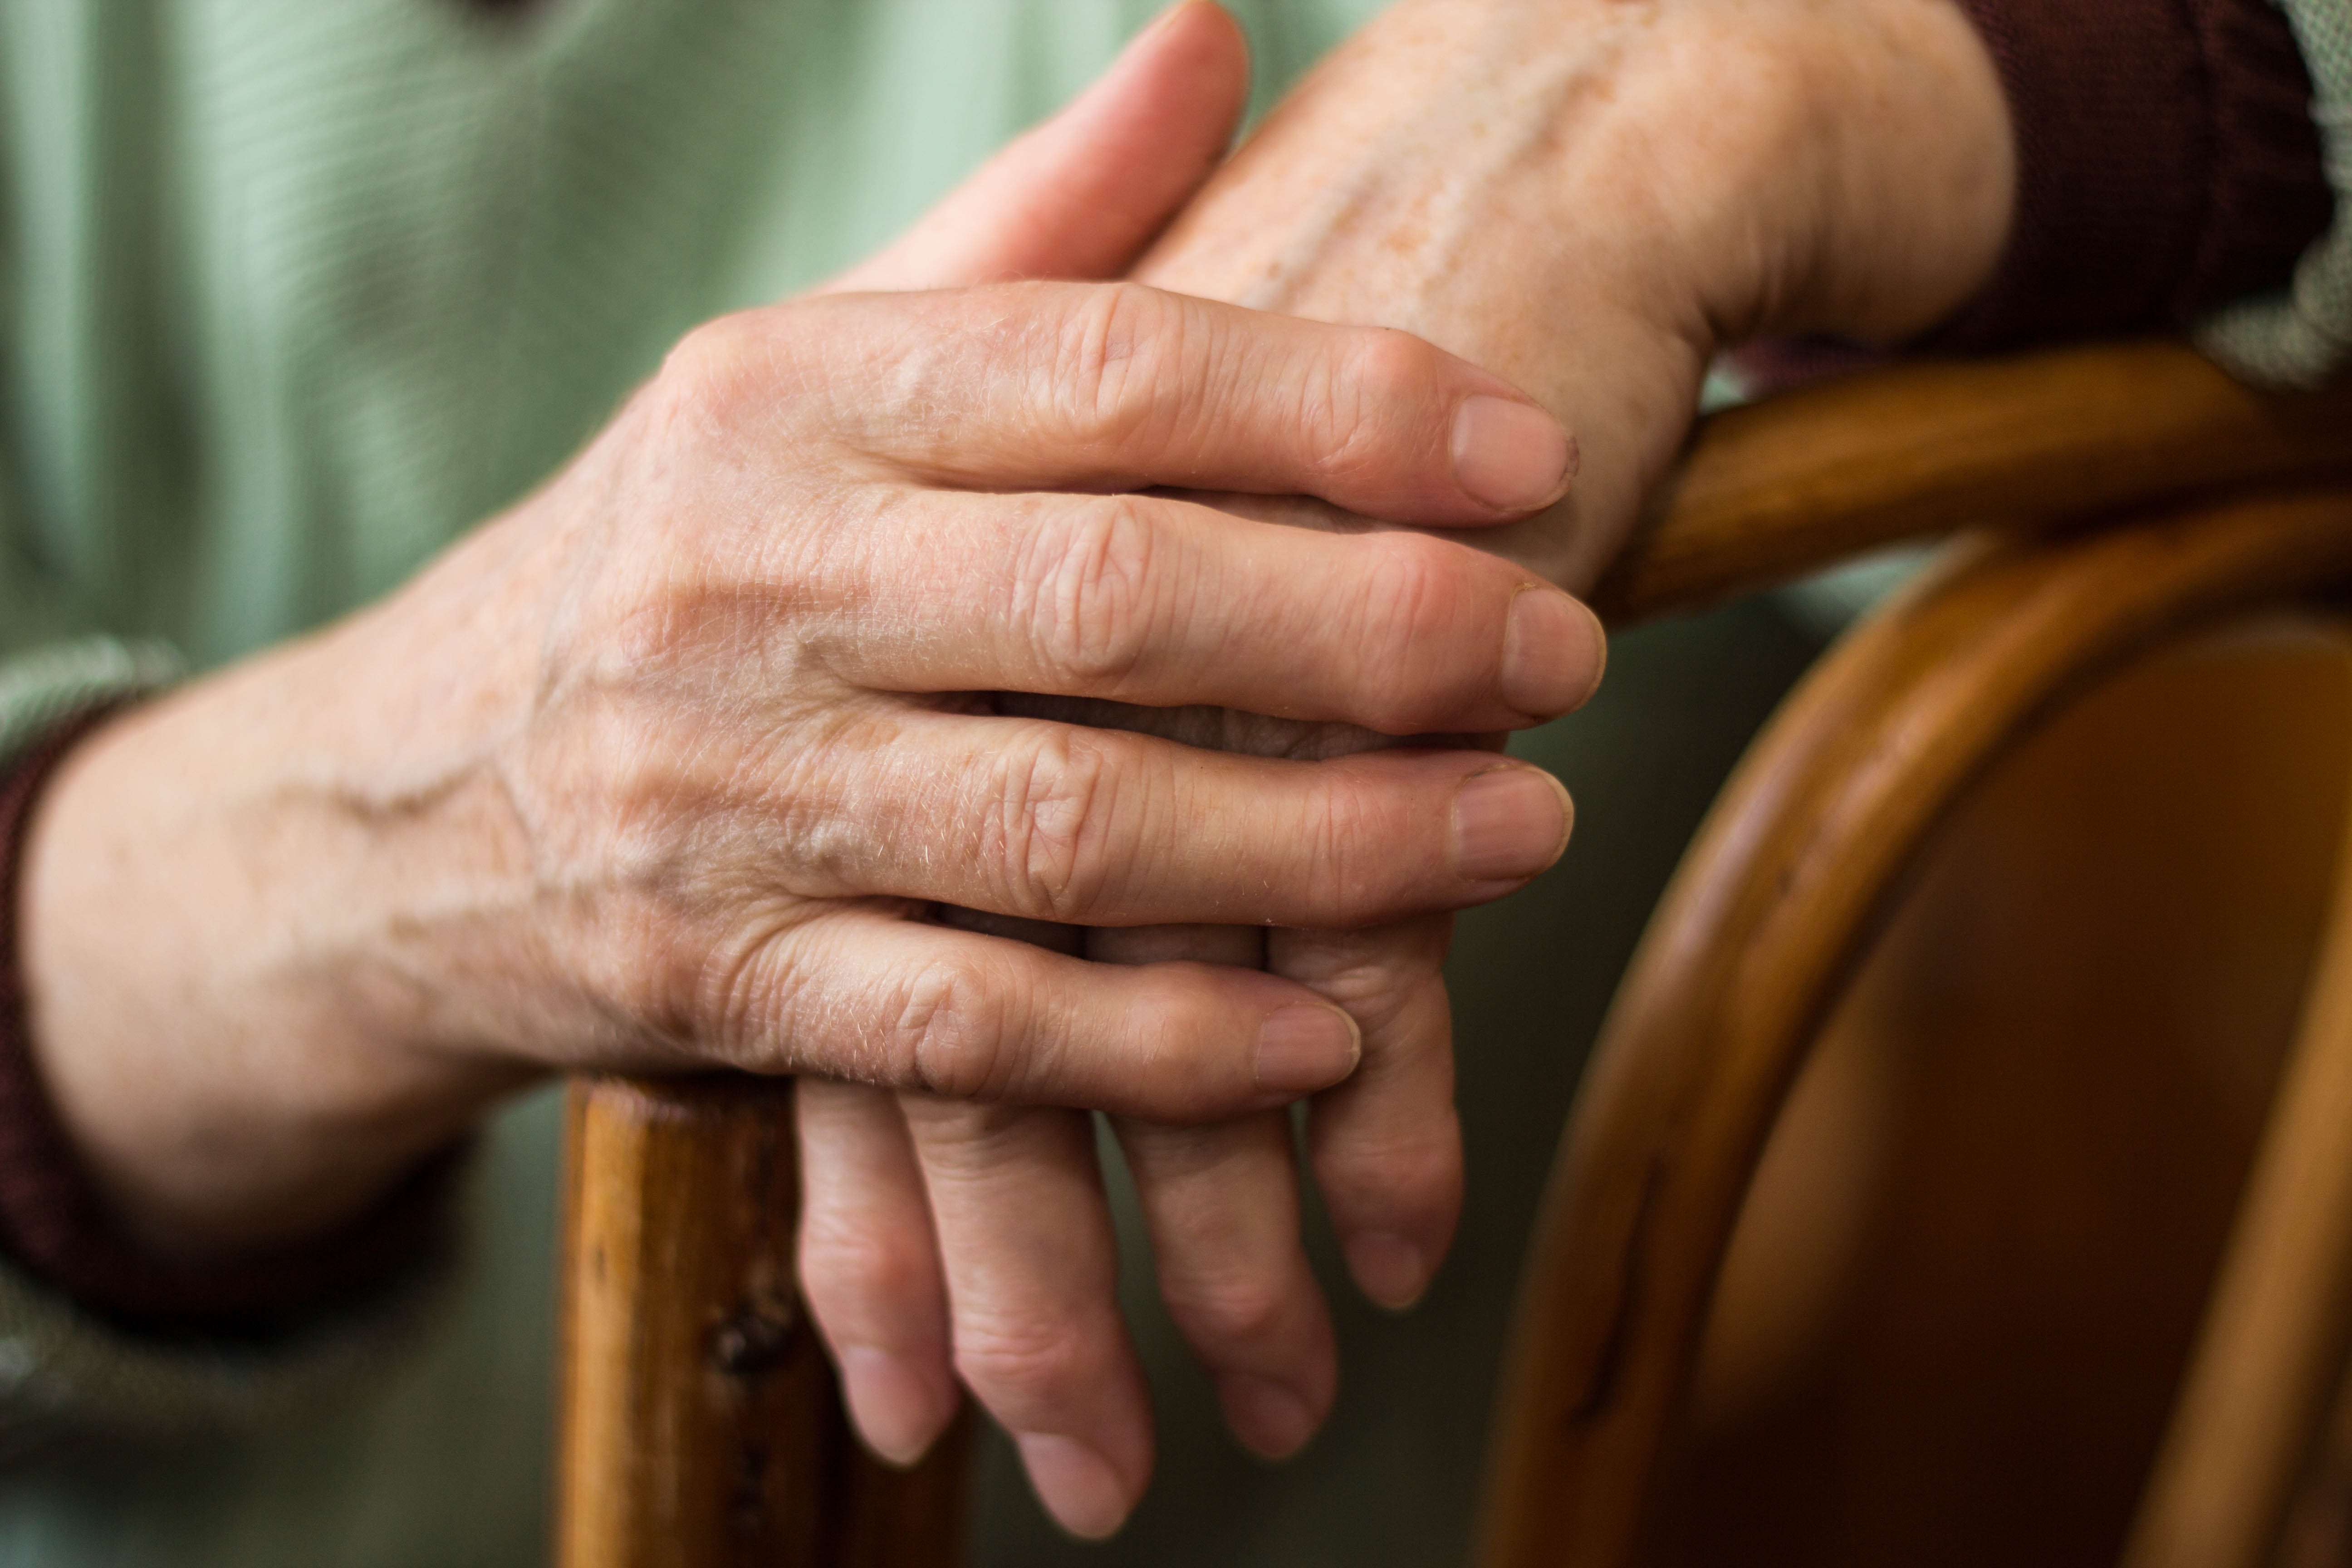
1764,166
1759,167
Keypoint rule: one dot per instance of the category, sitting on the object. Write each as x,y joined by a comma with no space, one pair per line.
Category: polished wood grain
2257,1395
701,1423
1744,957
1915,451
1964,1283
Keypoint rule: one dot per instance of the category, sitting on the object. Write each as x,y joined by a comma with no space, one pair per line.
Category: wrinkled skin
678,763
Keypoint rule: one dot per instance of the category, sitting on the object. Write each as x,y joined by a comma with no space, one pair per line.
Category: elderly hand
669,766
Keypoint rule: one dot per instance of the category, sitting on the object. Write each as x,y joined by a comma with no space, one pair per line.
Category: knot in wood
750,1342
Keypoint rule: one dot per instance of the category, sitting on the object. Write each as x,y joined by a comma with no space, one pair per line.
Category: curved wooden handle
1785,487
701,1423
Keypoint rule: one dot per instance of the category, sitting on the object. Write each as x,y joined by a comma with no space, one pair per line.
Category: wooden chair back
1980,1248
1931,871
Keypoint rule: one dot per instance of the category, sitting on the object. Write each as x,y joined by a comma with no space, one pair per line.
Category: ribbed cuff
53,1223
2167,163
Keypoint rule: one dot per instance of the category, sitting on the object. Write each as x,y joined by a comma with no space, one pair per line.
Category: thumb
1082,195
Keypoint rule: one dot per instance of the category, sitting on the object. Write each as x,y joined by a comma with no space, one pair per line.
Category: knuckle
717,372
684,971
1410,615
658,615
1086,592
1346,846
1065,810
1375,976
1241,1309
680,966
951,1032
1389,364
1024,1362
743,991
1401,1171
1117,352
853,1267
1379,370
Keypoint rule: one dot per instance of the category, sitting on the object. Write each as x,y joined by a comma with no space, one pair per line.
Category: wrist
1864,184
225,1005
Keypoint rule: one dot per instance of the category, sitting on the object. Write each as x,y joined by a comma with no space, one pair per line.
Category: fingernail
1553,652
1513,457
1269,1417
1304,1048
1388,1268
897,1413
1508,824
1076,1485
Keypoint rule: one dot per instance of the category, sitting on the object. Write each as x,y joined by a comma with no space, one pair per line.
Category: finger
1164,601
1386,1144
869,1266
1055,821
1221,1203
1120,385
1032,1268
874,999
1082,195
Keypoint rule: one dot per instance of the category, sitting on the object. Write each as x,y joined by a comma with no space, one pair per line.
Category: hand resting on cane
669,766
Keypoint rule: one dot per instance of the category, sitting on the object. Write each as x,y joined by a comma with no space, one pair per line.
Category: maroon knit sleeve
54,1226
2166,165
